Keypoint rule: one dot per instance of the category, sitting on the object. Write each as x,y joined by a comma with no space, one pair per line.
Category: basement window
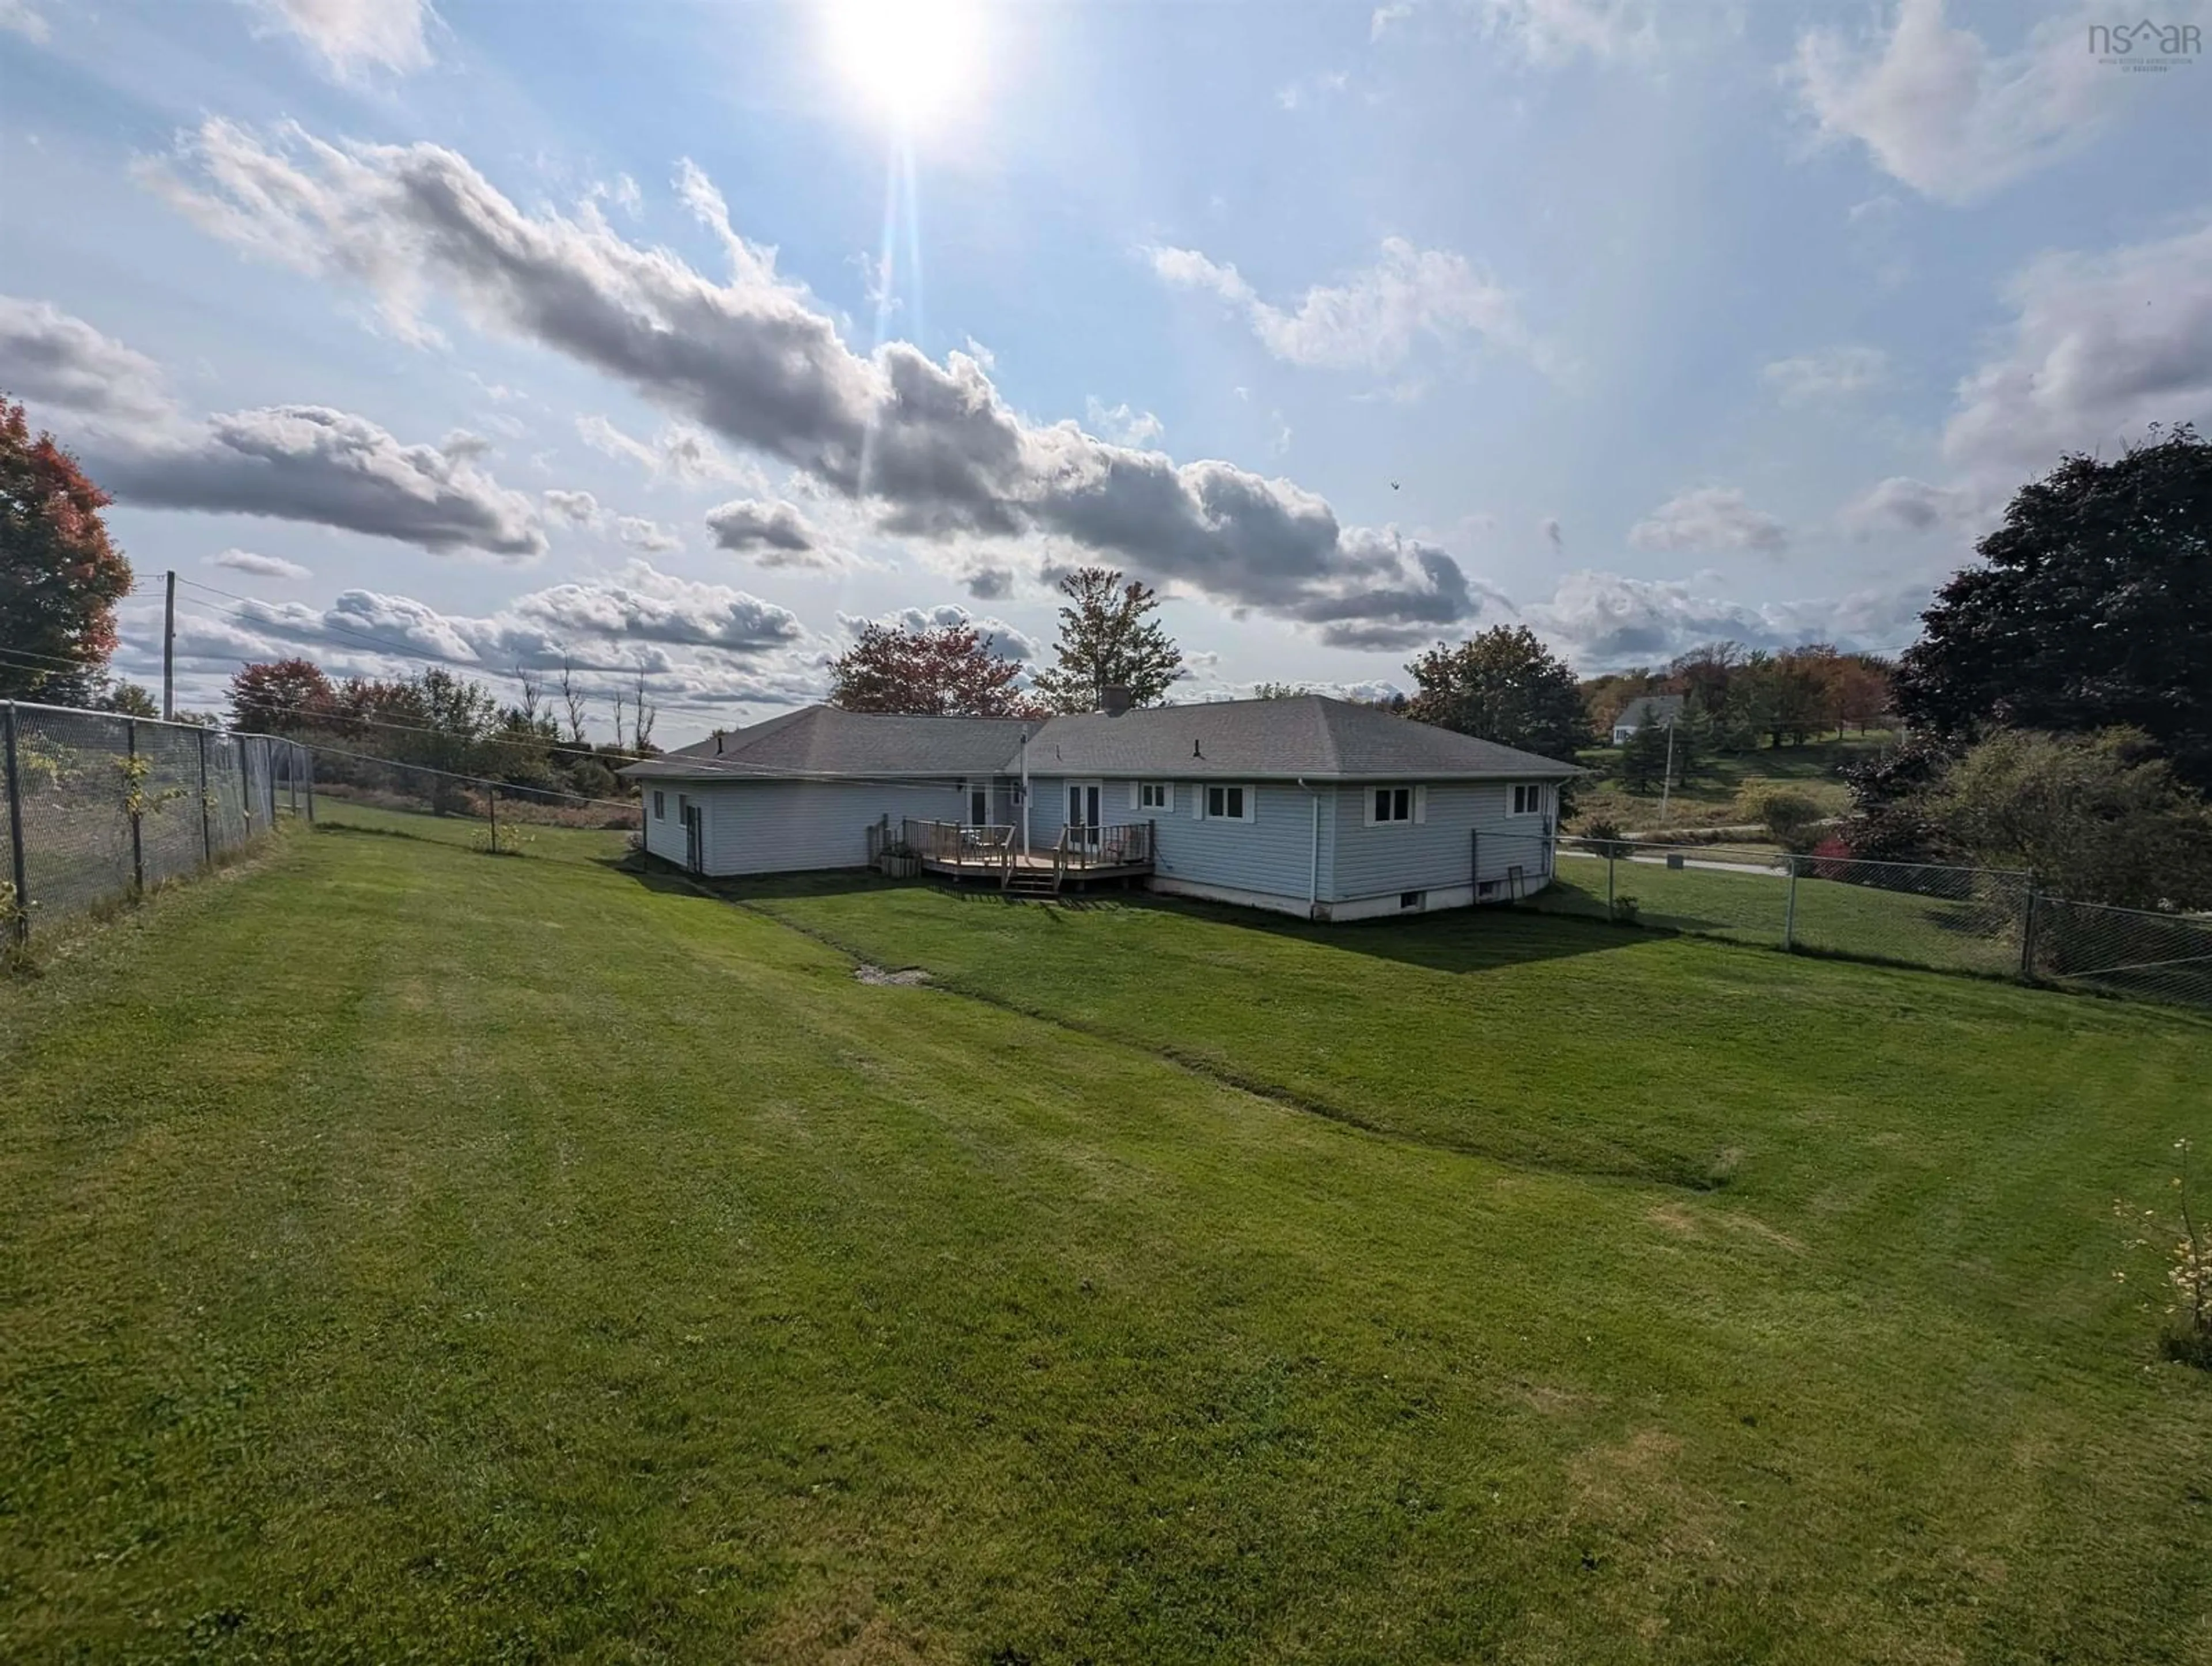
1412,899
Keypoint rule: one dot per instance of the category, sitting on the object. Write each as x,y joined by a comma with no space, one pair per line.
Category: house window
1228,803
660,806
1528,799
1155,795
1392,803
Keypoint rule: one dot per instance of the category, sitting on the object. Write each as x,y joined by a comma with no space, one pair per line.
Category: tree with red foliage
282,696
947,672
60,578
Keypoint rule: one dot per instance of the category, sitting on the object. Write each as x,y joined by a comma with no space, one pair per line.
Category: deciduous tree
282,696
947,671
1107,638
1503,685
60,576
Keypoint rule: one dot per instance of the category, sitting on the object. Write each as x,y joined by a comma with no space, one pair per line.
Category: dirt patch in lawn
865,973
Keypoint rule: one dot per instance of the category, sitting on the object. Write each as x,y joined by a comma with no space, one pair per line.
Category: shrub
1788,815
1625,910
1604,835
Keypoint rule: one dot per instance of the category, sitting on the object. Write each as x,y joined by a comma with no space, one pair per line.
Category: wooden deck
994,855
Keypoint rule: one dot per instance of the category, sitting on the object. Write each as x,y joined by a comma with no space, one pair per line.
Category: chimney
718,743
1113,698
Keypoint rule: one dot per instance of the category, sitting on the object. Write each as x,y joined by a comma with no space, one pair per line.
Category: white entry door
1083,813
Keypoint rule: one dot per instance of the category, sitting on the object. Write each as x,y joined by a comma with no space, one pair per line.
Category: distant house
1649,708
1308,805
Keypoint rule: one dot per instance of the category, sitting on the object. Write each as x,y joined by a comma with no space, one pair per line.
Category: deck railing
961,844
1125,844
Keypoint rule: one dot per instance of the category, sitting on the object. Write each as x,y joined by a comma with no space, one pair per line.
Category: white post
1666,780
1025,792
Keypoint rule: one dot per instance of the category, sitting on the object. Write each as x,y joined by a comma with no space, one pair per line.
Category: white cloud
930,451
261,567
702,647
2101,345
1007,642
1902,504
1940,113
1376,318
683,452
1602,621
1121,424
1831,373
17,17
354,35
774,534
49,356
1710,518
1553,31
577,508
648,535
311,463
1380,23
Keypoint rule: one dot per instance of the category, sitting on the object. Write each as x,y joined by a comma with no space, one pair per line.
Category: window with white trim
1155,795
1390,804
660,805
1528,799
1227,804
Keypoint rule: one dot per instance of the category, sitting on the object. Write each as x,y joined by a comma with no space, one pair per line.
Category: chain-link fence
1986,921
94,805
360,792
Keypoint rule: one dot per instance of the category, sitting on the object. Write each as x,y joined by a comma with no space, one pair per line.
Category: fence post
2027,934
1611,854
207,811
1789,909
131,807
22,924
245,788
309,758
491,802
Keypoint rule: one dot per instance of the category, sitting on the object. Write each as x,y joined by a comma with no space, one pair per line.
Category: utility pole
169,650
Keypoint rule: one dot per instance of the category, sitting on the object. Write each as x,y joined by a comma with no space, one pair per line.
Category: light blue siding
1272,853
791,826
1463,823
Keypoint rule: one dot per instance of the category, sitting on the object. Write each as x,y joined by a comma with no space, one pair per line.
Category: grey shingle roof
822,740
1651,709
1309,735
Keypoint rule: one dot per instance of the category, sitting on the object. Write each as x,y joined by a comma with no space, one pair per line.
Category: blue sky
516,334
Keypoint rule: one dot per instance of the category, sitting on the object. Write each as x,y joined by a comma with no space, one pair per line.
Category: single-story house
1643,711
1308,805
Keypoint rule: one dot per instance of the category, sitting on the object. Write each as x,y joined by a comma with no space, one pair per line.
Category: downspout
1313,873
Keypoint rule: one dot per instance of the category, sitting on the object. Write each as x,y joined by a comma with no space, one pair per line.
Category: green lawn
406,1253
1974,928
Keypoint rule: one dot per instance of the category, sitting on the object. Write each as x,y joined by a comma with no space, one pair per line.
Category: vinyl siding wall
1462,820
1272,855
791,826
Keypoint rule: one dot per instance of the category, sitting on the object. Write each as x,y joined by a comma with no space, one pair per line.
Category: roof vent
1113,698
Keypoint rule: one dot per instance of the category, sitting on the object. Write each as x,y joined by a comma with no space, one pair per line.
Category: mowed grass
407,1253
1973,926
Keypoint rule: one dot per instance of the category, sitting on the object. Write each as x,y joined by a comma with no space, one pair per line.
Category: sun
915,61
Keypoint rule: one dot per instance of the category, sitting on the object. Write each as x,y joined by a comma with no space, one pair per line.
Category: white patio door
1083,813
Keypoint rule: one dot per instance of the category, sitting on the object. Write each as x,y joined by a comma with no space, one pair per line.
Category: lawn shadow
1455,941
